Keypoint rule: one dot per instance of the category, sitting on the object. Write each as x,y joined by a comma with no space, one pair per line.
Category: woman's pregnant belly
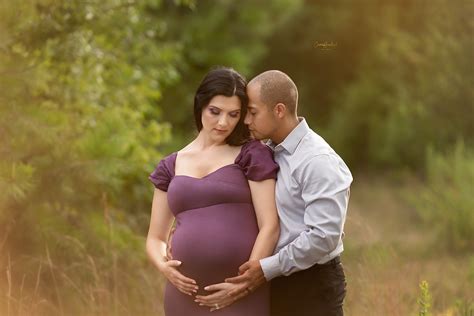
212,242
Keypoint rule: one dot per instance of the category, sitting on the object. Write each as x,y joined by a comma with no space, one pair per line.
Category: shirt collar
293,139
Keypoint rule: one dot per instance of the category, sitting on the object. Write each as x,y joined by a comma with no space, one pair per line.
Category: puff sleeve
256,161
163,173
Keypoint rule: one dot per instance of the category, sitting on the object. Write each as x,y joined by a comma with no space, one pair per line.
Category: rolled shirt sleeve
325,181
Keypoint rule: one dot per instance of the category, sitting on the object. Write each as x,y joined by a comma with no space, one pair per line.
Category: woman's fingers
185,279
174,264
186,282
237,279
217,297
186,288
182,283
213,308
210,299
183,290
221,301
221,298
228,301
217,287
237,291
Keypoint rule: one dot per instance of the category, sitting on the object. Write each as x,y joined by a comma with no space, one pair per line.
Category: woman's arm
160,225
263,198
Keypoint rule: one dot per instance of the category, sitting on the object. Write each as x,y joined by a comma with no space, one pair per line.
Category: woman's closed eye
214,111
234,114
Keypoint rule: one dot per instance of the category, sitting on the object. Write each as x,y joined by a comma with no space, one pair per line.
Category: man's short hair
277,87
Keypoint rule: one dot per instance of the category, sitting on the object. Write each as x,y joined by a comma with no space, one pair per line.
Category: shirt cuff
271,267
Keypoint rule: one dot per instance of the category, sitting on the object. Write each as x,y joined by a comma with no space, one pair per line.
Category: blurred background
94,93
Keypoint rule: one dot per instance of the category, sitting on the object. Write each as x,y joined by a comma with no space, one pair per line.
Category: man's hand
221,297
251,275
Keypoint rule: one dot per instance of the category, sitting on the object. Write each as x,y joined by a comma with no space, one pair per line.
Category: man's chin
256,136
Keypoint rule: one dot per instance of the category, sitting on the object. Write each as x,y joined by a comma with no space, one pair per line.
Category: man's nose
247,119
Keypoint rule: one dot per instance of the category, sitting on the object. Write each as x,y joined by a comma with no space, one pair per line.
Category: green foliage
398,80
424,301
413,92
93,93
216,33
79,131
83,121
446,203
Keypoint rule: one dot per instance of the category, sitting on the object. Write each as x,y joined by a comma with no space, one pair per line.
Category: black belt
332,262
307,273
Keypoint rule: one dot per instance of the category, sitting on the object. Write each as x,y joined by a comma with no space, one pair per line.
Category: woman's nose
222,121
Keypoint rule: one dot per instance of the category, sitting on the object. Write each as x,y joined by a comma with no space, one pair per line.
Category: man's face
260,118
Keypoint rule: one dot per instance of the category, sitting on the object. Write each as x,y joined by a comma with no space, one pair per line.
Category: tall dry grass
69,278
388,253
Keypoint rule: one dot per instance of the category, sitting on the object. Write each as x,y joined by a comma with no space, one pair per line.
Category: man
312,194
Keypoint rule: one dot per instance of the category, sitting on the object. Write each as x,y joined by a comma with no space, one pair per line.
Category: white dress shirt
312,193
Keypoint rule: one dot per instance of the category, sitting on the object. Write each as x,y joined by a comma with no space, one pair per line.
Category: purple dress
216,228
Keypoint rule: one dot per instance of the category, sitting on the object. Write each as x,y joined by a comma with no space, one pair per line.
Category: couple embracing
259,225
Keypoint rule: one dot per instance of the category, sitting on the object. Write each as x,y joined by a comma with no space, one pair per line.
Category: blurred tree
77,99
83,122
79,131
398,79
226,33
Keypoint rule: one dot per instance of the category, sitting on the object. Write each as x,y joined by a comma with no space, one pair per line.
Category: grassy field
389,252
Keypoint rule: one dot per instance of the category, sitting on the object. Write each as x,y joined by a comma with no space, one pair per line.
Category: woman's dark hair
227,82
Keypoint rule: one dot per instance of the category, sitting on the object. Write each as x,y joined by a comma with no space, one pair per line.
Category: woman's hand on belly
181,282
221,296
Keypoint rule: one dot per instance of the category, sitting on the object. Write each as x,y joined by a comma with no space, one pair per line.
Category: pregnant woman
220,188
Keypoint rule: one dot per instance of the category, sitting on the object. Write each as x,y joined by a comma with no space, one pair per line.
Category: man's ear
279,110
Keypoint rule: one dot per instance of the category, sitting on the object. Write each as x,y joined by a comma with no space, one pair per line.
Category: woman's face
220,117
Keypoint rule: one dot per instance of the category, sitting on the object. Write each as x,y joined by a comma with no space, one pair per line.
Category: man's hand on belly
250,274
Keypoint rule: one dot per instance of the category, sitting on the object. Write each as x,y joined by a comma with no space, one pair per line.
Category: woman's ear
279,110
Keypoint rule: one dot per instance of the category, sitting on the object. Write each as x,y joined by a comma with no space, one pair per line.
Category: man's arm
325,182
